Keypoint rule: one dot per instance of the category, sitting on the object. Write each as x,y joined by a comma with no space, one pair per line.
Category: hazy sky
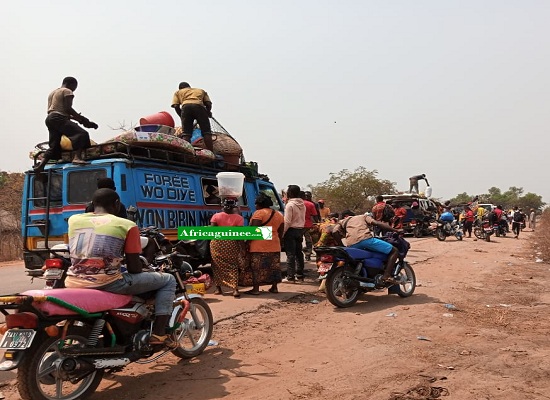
458,90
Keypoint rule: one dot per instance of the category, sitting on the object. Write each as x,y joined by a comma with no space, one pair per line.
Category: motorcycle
62,341
197,250
420,227
350,272
153,243
54,270
483,230
445,229
499,229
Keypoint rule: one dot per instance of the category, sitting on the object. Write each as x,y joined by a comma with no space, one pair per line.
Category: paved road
13,279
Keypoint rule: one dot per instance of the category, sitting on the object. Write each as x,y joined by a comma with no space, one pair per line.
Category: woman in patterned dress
264,258
227,255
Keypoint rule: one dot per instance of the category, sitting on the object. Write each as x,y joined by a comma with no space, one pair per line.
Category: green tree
495,196
461,198
354,190
530,200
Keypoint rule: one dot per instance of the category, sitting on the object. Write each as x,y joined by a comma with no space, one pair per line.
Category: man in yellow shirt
194,104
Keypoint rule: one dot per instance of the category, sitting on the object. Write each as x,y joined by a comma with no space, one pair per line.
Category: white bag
428,191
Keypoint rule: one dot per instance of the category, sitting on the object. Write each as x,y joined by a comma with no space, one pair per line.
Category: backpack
387,213
518,217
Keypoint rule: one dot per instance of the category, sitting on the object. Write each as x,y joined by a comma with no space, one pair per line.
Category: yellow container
195,288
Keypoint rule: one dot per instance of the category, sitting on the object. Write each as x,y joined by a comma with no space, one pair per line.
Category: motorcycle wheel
342,291
440,234
193,335
407,281
417,232
40,376
478,233
458,235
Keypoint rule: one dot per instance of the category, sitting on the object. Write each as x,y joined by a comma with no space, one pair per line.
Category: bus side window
210,192
83,184
40,187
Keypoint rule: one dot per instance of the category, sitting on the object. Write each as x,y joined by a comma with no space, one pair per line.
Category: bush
543,233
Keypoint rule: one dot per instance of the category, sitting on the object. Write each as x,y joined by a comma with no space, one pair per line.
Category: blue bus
168,189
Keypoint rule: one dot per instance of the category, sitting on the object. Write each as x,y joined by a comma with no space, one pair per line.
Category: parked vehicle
446,229
62,341
421,226
161,189
483,230
426,205
54,270
153,243
487,206
350,272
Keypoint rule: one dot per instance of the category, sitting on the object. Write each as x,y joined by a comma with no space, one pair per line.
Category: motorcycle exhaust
101,363
81,364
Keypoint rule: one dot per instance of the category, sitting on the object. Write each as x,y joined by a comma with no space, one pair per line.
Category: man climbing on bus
194,104
58,121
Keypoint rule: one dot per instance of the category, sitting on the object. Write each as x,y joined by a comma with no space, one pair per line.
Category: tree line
356,190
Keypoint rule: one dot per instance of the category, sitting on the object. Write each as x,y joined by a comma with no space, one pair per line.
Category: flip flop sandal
164,340
252,292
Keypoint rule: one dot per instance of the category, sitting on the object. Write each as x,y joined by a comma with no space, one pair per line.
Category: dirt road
493,344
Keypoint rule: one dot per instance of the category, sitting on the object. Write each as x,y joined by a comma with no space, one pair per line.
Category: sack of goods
224,144
154,139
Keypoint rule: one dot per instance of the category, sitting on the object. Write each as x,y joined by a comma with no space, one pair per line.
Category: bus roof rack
160,155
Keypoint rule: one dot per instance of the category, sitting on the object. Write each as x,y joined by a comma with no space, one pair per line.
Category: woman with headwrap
264,256
227,255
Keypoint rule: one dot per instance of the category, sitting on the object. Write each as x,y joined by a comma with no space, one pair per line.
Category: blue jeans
163,284
374,244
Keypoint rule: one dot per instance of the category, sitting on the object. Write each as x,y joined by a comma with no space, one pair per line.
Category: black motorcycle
420,226
154,243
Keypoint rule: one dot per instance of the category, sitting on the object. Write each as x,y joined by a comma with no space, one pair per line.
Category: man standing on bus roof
194,104
413,182
58,121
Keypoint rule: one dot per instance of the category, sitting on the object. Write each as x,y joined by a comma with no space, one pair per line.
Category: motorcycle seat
359,254
90,300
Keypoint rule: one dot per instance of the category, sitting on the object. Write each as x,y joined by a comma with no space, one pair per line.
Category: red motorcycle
483,230
62,341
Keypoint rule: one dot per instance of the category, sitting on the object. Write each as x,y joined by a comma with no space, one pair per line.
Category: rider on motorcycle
500,219
98,243
358,235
